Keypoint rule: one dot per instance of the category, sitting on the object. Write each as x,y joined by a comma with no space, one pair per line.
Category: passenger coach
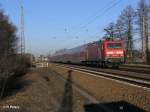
104,53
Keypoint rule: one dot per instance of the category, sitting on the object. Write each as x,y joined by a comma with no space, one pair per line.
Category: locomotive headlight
114,53
119,52
109,52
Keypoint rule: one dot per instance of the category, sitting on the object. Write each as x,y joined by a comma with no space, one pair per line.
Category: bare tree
143,25
125,28
8,43
8,39
149,31
120,28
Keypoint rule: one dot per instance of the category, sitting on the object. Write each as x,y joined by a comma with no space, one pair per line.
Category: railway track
130,78
140,69
137,65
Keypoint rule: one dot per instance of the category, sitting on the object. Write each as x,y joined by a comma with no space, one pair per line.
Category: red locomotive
100,53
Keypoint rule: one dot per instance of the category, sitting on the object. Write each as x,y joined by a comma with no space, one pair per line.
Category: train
103,53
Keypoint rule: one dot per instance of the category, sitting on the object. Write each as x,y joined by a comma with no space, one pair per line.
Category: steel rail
135,69
116,77
132,74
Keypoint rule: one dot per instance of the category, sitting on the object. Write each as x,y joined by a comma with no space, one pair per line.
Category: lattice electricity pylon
22,37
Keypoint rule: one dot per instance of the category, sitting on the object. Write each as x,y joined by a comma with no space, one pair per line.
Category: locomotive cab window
114,45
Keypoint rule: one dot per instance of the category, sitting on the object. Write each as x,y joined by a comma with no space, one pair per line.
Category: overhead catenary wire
100,14
103,13
105,10
98,11
95,14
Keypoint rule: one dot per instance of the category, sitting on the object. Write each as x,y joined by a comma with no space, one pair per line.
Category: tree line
12,64
133,22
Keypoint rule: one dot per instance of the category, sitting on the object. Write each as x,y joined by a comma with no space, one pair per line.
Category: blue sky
55,24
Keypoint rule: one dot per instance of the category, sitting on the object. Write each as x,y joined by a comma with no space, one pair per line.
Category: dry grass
41,91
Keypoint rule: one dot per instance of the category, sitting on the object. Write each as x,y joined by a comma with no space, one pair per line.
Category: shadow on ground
120,106
15,85
67,103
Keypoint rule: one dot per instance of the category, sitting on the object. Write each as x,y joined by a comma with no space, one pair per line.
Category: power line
104,12
97,12
97,16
